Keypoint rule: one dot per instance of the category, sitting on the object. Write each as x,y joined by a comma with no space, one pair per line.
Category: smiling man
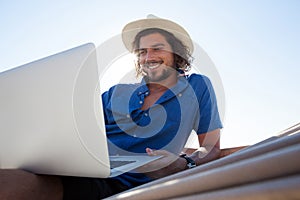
158,114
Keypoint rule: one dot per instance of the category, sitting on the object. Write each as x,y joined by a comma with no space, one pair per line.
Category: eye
140,52
157,48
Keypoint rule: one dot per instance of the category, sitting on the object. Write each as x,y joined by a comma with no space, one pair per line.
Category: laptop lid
51,117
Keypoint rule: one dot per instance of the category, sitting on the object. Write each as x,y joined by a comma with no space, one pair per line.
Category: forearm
205,155
200,156
175,163
177,166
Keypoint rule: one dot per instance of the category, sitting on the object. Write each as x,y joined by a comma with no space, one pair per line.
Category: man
155,117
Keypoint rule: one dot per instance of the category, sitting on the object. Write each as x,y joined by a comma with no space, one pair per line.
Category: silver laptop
51,118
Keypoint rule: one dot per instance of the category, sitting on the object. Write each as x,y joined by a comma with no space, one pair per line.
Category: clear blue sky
254,45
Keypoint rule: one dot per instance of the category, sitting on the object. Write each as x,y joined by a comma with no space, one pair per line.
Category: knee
20,184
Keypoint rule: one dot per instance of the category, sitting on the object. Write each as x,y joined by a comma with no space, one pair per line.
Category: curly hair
182,55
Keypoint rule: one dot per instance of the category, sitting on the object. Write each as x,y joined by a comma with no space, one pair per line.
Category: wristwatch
190,162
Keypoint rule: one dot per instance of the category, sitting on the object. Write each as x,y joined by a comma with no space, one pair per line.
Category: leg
19,184
81,188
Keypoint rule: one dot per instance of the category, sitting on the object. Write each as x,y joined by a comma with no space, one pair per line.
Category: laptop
51,118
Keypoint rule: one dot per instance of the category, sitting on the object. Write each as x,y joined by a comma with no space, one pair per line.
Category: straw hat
133,28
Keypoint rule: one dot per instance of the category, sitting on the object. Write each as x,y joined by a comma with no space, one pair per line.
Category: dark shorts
77,188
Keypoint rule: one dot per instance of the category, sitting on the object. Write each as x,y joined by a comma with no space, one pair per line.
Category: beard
158,76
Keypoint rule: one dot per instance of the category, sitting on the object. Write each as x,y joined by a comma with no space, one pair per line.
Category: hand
168,164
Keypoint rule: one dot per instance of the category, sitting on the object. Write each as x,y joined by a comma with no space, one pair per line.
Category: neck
164,85
156,88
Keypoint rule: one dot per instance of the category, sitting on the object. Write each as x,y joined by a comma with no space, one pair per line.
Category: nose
149,55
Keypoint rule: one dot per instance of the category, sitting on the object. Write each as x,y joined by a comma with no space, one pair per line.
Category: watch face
190,165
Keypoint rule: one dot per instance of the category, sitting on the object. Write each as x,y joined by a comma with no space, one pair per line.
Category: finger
150,152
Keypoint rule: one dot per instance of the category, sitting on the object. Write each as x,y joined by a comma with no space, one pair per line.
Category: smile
152,65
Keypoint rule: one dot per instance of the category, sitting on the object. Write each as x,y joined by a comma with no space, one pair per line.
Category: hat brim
132,29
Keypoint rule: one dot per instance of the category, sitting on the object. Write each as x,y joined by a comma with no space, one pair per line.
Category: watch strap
190,162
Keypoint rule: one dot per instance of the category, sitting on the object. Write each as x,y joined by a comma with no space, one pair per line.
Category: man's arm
209,147
170,163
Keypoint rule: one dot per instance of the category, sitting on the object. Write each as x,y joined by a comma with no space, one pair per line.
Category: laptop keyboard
119,163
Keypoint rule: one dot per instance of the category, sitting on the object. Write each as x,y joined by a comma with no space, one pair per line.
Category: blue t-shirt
189,105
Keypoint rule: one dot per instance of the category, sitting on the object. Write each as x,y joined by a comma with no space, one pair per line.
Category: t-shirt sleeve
106,96
207,117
